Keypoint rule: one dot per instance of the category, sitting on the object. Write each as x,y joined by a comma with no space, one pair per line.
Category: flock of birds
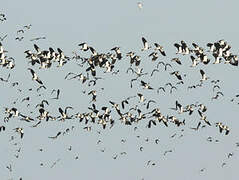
107,61
132,110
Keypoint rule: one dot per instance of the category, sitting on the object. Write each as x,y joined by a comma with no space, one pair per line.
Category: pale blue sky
103,25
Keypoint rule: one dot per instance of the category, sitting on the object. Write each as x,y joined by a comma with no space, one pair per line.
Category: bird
54,163
160,48
148,103
38,38
84,46
87,128
211,47
160,89
223,127
41,105
167,152
41,87
37,48
64,113
157,141
35,125
215,86
179,48
204,77
194,61
226,128
140,5
177,60
20,31
173,87
199,123
93,93
217,58
154,56
202,108
20,131
178,76
124,102
230,155
26,118
141,97
2,128
27,26
145,44
35,77
19,38
5,80
179,107
2,38
145,85
54,137
117,51
25,99
57,93
185,49
3,17
204,118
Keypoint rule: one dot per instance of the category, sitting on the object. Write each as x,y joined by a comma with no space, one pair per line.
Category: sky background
104,25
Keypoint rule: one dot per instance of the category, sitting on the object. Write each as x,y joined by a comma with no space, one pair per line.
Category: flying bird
140,5
204,77
57,93
54,137
20,131
160,48
35,77
145,44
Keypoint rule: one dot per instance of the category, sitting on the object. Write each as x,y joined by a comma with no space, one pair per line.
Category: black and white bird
194,61
204,58
145,44
211,47
217,58
140,5
26,118
223,127
64,113
204,77
204,118
202,107
179,107
179,48
154,56
141,97
145,85
2,128
35,77
20,131
117,51
38,50
226,128
177,60
84,46
27,26
160,48
176,73
185,48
